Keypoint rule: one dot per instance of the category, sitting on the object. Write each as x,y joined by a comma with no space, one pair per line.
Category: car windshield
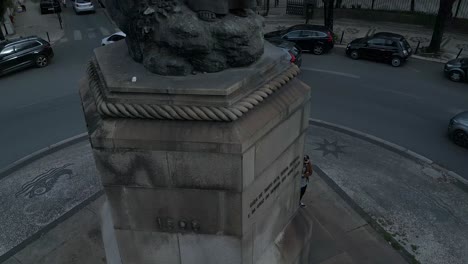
83,1
405,44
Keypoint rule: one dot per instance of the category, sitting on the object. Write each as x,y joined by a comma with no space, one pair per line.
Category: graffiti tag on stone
44,182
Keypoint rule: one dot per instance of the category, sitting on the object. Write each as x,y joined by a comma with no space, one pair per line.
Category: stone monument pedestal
199,169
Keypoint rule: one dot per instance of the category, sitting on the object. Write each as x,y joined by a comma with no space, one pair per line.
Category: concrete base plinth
182,191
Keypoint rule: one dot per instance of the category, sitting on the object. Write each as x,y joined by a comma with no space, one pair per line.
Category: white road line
104,31
77,35
349,75
91,35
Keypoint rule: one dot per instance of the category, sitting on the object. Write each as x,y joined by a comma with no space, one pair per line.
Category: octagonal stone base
202,191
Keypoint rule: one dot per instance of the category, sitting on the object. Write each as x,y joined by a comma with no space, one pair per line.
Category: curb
429,59
392,147
410,258
41,153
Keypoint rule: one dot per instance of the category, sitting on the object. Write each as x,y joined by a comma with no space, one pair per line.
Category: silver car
83,6
458,129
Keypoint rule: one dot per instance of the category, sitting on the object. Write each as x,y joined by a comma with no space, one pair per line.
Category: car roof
18,40
121,33
308,27
388,35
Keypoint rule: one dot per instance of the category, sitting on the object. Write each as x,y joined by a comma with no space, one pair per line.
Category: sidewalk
341,236
416,206
32,22
451,44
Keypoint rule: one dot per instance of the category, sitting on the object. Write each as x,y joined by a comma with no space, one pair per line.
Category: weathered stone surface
145,247
170,39
209,249
227,187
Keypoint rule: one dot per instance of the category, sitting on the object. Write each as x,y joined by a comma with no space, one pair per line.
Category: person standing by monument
306,173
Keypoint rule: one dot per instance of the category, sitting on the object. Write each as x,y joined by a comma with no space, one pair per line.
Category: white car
83,6
113,38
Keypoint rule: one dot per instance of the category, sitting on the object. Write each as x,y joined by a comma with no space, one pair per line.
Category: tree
328,13
338,3
4,5
444,14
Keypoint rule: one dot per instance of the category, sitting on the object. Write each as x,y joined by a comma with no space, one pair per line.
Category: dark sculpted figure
181,37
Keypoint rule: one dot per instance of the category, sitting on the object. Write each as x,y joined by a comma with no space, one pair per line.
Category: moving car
458,129
24,52
317,39
457,69
50,6
383,46
81,6
113,38
291,48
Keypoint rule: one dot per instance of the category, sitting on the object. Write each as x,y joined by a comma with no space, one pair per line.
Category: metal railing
460,8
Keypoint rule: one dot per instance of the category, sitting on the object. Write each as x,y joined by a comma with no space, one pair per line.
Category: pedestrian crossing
88,34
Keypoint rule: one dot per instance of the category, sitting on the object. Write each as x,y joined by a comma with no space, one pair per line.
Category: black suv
383,46
50,6
24,52
317,39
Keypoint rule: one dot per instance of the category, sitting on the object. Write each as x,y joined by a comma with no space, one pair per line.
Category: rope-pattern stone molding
174,112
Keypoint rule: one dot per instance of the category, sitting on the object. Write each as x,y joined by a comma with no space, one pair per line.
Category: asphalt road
39,107
409,106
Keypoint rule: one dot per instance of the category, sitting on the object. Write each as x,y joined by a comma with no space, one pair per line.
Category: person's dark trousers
303,189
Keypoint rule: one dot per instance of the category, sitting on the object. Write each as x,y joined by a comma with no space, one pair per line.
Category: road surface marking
91,35
77,35
63,40
349,75
104,31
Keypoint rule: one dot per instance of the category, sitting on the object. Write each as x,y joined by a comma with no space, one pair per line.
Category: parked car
113,38
294,52
24,52
458,129
82,6
317,39
457,69
383,46
50,6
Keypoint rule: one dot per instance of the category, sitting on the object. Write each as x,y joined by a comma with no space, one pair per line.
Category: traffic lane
35,85
37,126
40,107
412,72
410,121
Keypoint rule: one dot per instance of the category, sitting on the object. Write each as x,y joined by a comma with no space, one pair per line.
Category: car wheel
396,62
42,61
455,76
318,50
460,138
354,55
